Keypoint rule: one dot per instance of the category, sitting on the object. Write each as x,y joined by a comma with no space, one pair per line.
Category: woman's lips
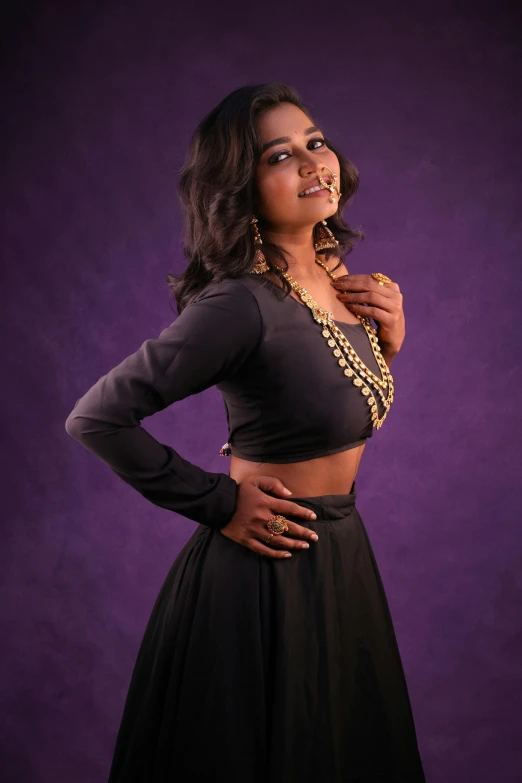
321,192
315,184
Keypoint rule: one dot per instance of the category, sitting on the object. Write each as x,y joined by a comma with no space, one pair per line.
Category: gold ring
332,185
381,279
277,525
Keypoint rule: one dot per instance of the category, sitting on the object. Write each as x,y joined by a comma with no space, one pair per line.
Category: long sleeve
208,342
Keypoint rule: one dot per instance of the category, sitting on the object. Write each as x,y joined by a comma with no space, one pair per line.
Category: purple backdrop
99,103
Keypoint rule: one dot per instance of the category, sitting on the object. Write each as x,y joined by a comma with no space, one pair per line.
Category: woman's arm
208,342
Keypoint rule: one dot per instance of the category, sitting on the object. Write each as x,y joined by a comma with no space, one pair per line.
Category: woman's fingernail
314,537
312,515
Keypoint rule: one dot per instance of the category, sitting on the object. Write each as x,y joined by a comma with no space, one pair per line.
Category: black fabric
291,400
286,397
200,348
271,671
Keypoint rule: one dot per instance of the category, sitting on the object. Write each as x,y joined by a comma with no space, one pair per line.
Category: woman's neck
300,253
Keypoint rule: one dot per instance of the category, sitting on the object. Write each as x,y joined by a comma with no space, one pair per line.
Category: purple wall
99,105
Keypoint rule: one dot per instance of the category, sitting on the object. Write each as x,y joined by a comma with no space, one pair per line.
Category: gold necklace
371,334
360,374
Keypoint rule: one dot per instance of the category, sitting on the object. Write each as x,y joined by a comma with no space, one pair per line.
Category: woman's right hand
254,509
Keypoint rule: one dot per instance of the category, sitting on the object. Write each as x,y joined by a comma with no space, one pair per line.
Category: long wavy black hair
218,195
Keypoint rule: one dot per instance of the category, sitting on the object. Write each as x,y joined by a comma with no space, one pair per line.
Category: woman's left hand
383,304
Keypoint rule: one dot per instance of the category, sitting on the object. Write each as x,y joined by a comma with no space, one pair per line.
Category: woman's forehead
283,119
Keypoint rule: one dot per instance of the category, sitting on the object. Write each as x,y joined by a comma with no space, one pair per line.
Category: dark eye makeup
274,159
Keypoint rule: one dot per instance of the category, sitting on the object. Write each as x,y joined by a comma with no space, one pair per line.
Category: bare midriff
330,475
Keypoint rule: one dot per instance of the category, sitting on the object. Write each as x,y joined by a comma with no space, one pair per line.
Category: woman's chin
323,207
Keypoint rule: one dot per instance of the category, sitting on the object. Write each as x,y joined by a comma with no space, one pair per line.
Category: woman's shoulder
224,285
241,292
229,301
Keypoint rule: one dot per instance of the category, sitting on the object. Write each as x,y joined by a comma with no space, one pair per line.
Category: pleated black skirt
271,671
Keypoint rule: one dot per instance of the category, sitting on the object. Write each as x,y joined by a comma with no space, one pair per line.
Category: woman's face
291,165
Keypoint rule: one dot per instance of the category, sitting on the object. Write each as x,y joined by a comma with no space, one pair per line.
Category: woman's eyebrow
286,139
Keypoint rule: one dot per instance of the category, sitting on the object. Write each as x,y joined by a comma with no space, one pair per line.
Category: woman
270,654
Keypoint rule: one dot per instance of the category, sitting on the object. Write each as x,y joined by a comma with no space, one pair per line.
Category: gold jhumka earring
260,266
323,237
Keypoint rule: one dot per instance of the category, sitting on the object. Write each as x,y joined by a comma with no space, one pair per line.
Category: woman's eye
277,159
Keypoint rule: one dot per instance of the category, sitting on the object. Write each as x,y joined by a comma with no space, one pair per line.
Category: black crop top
286,398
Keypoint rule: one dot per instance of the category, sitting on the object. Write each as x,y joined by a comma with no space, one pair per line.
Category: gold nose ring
332,186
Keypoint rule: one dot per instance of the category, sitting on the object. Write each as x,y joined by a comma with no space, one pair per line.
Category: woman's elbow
72,426
73,422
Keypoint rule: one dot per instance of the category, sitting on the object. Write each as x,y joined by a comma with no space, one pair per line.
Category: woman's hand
384,305
254,509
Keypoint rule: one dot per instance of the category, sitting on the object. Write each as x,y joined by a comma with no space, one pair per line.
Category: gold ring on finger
269,538
277,524
381,279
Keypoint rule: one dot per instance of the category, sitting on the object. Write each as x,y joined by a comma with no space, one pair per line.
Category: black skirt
259,670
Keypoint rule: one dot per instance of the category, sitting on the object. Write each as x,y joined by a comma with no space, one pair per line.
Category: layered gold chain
347,358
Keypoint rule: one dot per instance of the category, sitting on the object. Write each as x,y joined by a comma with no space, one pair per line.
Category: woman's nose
310,167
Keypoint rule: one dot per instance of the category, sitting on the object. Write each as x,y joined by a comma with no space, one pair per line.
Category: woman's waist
332,474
